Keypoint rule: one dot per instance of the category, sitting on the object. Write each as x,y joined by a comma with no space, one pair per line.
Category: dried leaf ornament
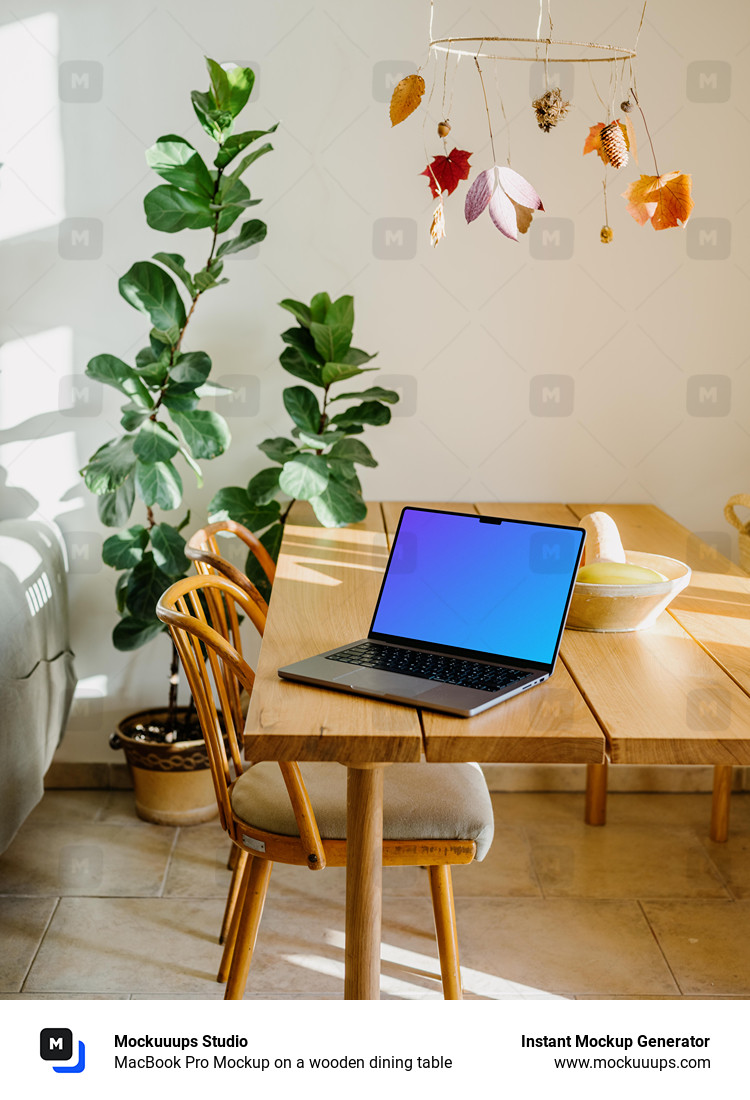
550,109
445,173
510,198
663,200
407,95
437,229
602,132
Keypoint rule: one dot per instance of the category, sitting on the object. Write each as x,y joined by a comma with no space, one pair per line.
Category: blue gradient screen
491,587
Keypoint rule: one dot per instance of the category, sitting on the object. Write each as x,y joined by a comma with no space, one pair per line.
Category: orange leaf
407,95
663,200
630,138
593,142
437,229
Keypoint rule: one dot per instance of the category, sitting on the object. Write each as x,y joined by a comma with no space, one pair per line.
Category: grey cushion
420,802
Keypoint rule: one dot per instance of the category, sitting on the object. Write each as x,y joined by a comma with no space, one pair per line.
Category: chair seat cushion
420,802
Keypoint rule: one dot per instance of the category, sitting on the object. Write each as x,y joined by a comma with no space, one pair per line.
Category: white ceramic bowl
620,607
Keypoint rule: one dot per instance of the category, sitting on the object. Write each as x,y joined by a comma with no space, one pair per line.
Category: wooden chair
434,815
203,549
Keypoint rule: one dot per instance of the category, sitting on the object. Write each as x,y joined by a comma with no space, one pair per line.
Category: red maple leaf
445,173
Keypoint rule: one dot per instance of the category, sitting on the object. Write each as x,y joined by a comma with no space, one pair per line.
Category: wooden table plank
314,608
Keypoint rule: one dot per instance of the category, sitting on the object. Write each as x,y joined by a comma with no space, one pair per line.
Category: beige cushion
420,802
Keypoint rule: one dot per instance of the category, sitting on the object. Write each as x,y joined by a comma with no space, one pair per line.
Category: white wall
466,329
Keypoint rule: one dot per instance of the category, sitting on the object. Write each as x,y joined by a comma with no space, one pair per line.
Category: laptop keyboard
429,666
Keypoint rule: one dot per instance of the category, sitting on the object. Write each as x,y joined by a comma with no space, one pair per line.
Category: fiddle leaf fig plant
318,460
165,429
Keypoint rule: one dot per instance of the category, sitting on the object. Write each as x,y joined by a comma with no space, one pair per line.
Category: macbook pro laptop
471,612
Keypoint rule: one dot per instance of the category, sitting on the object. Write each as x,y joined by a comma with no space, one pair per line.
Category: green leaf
341,312
132,632
319,307
278,449
205,280
369,412
233,199
304,476
152,368
375,392
299,309
193,466
155,443
169,209
121,590
111,371
190,371
337,506
341,470
147,584
215,122
169,550
241,80
176,161
234,502
271,539
250,159
115,508
357,357
219,84
132,416
331,341
302,406
237,142
301,339
158,483
125,549
206,433
179,402
149,289
262,488
250,233
162,341
319,441
338,372
108,467
176,264
293,360
352,450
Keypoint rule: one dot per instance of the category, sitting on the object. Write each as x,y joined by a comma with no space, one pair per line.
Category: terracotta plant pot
172,783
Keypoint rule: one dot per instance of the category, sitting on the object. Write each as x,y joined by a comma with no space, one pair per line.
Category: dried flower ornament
550,109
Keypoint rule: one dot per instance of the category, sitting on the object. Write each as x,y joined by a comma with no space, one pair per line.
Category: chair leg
237,864
596,794
234,853
441,888
257,873
237,911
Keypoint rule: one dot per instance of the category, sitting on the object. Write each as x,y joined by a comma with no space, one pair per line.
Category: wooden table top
675,694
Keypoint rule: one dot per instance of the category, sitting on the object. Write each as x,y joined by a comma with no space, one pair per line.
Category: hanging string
486,104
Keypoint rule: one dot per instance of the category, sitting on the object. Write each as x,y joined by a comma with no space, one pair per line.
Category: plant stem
648,134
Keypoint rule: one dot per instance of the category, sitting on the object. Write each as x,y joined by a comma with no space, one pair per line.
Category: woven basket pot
172,783
742,499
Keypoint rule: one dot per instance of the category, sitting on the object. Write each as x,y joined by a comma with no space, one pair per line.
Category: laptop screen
478,586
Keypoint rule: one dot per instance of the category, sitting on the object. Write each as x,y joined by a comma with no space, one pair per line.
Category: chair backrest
216,670
203,548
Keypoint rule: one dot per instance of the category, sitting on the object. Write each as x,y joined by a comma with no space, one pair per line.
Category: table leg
364,881
596,794
720,802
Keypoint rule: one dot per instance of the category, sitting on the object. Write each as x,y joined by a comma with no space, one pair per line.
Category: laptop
471,612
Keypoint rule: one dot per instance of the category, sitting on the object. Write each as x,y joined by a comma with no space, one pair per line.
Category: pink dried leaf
503,214
519,189
479,194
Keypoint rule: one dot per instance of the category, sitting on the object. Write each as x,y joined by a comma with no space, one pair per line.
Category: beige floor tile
198,867
706,944
140,945
22,925
733,861
622,861
79,806
562,946
506,871
73,859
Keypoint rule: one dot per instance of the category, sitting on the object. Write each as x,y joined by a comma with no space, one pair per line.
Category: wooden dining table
677,693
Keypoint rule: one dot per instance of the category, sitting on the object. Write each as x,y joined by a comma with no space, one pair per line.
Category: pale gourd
603,541
612,572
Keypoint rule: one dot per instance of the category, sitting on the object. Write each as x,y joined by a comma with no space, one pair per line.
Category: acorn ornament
444,128
606,234
614,144
626,106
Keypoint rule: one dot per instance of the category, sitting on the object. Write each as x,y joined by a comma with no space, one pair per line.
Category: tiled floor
97,904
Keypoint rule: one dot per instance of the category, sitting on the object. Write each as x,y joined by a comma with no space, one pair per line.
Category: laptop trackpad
386,683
